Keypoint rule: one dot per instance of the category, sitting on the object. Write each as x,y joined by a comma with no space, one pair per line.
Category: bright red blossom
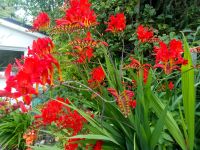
71,144
41,22
144,33
169,57
83,48
79,15
116,23
144,68
98,145
97,76
85,54
62,116
171,85
132,103
33,70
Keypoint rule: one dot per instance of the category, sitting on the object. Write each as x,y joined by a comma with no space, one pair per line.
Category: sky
21,13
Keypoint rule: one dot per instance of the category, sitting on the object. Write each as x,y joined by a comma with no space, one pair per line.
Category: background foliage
169,17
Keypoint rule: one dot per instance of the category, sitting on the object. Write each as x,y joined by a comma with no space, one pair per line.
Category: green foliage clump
12,128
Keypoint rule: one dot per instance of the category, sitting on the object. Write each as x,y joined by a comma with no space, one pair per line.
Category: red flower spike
169,57
124,100
144,33
146,68
84,48
41,22
83,55
135,64
87,42
116,23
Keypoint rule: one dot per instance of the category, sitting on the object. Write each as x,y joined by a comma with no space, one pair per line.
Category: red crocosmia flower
7,91
33,70
98,145
51,111
27,99
144,33
41,22
84,48
171,85
146,68
23,85
8,71
72,144
79,15
116,23
169,57
135,64
80,11
41,47
87,42
97,76
85,54
4,93
124,100
89,53
62,116
132,103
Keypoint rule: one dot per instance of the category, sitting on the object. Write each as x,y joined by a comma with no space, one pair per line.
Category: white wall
16,38
2,80
13,38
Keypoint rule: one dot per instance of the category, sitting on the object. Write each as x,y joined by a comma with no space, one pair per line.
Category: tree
8,8
33,7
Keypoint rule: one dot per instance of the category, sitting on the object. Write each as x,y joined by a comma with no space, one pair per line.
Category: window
8,56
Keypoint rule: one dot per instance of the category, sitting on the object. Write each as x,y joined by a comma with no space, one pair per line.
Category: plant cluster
96,100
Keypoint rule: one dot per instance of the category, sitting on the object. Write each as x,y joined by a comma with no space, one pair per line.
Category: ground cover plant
86,96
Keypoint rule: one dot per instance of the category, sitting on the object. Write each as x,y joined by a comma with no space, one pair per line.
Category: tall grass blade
158,129
170,123
188,92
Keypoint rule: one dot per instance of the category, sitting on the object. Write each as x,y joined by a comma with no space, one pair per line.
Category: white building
14,40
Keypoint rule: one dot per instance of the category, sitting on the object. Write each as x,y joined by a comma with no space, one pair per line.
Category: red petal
8,71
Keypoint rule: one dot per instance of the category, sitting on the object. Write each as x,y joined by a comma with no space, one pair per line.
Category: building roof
16,25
